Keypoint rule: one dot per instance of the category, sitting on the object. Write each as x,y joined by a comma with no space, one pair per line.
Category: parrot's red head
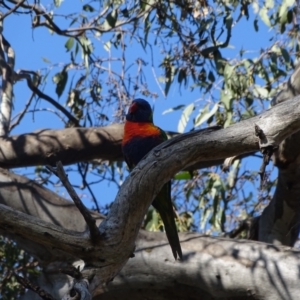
140,111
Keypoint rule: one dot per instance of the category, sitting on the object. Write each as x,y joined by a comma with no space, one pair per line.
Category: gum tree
103,253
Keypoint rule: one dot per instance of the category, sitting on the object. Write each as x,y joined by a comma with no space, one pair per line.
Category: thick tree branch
214,268
71,145
49,235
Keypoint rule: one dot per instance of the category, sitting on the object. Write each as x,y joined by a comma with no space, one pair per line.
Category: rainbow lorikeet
141,136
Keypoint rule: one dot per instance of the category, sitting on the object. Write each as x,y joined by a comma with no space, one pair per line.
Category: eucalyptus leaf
263,13
61,80
205,114
185,117
183,176
57,3
69,44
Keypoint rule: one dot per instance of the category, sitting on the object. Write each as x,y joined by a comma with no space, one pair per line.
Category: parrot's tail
165,209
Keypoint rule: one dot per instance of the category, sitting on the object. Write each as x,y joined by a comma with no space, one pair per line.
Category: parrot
140,137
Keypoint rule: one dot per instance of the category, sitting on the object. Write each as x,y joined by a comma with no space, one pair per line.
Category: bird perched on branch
140,137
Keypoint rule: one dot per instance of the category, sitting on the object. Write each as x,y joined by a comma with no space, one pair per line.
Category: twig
33,111
76,32
85,183
90,221
12,9
26,75
29,285
23,112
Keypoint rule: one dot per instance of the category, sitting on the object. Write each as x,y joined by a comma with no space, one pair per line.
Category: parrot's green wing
163,204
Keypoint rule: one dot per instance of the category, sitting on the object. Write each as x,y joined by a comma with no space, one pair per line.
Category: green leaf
290,16
263,13
219,62
255,23
107,46
283,15
57,3
69,44
289,2
147,26
228,70
125,13
205,114
111,18
211,76
269,4
285,55
260,92
61,80
229,22
88,8
185,117
169,71
182,76
183,176
46,60
152,220
226,98
173,109
255,7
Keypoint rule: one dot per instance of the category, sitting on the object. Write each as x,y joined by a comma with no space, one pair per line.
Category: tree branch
7,71
21,74
70,145
90,221
214,268
29,285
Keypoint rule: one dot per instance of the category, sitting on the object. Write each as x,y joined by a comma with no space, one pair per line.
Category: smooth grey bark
7,69
70,145
120,229
214,268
